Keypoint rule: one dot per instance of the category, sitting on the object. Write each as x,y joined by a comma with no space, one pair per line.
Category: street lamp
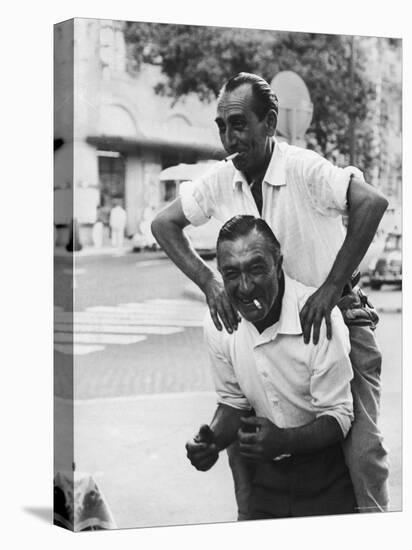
352,110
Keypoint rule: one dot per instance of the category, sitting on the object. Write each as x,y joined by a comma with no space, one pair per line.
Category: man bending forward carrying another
300,393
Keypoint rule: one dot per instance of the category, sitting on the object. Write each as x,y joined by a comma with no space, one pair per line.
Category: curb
90,252
87,251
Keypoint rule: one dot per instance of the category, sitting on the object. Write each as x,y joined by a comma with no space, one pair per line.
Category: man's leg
242,473
121,237
117,238
364,452
304,485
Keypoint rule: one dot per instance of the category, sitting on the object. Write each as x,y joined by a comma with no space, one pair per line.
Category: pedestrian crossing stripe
91,330
77,349
150,310
116,329
97,338
128,320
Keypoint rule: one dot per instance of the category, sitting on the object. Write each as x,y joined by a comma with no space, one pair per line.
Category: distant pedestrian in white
117,222
97,231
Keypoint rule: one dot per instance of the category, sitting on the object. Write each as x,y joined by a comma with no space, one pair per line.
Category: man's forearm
366,208
319,434
167,227
225,425
177,246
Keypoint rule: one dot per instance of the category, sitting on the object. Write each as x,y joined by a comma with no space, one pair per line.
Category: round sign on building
295,107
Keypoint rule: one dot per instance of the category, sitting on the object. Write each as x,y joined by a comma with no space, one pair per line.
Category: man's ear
279,265
271,122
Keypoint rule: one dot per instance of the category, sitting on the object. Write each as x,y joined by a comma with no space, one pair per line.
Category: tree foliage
199,59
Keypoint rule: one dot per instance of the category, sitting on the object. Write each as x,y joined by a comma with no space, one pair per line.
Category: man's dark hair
264,97
242,225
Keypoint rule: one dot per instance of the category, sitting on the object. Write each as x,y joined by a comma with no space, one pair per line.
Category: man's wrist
206,275
336,283
222,439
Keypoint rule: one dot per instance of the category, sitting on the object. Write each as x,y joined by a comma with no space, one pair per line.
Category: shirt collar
275,173
289,320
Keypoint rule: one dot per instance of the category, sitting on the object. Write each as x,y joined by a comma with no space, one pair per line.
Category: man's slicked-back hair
242,225
264,97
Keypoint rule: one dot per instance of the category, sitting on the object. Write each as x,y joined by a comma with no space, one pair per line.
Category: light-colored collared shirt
304,197
285,380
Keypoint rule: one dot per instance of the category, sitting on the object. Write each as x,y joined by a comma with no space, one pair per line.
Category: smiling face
249,273
241,130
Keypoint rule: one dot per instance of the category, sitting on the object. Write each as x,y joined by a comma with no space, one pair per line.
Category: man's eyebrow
235,116
256,260
260,259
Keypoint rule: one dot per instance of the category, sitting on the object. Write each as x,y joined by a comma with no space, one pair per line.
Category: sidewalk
91,251
135,449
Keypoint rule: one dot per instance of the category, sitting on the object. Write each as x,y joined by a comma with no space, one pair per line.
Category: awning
185,172
133,146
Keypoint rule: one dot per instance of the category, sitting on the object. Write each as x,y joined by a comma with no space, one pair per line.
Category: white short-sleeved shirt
285,380
304,197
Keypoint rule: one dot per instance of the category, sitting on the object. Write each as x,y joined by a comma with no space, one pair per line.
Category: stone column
134,193
87,100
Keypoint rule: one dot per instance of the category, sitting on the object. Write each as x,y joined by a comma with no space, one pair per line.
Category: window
111,182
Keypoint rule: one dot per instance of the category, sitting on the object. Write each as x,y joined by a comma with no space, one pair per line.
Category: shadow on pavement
44,513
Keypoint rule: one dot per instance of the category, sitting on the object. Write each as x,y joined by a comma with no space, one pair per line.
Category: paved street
138,344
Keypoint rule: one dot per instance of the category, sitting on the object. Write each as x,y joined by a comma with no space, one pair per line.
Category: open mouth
251,302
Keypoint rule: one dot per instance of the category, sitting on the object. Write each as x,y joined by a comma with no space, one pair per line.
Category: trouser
117,236
242,472
306,485
364,451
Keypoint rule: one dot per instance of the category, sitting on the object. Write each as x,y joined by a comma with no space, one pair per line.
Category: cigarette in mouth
257,304
231,157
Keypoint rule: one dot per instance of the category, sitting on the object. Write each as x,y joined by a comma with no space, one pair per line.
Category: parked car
374,251
386,268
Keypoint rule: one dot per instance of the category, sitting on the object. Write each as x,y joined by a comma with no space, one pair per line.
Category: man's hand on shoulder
219,305
202,450
319,307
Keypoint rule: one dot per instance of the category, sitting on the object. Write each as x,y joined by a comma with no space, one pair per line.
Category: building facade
113,134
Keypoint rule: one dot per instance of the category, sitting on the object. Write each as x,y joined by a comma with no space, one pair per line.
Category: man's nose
245,284
230,138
